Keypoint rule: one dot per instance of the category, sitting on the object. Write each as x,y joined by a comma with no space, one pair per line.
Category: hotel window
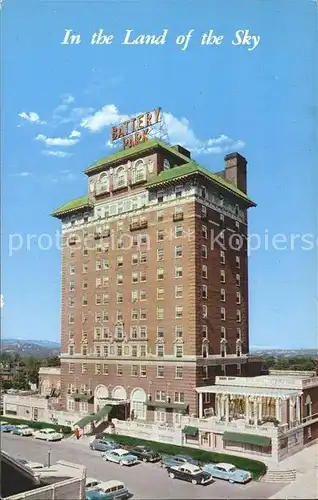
204,292
97,332
119,350
179,291
71,368
143,351
134,332
160,371
84,367
84,285
238,280
238,350
134,277
98,282
72,269
71,334
237,225
223,349
178,272
223,295
143,294
120,279
205,232
204,311
119,298
105,351
160,293
98,249
143,314
143,332
204,252
179,331
72,254
143,371
204,332
143,257
105,316
160,216
223,332
178,231
238,334
179,397
223,314
84,317
143,276
159,312
178,191
106,334
134,351
179,312
178,251
238,298
120,243
203,192
204,272
71,350
135,315
98,369
84,350
138,171
178,372
71,302
238,262
161,396
203,211
98,265
160,332
119,370
97,300
105,281
106,264
160,273
120,261
160,235
160,254
160,351
105,369
71,318
134,370
105,299
238,316
97,351
120,316
222,257
222,276
85,268
179,351
72,286
134,259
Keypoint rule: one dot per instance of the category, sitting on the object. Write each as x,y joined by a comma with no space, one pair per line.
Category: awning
84,421
236,437
190,431
163,404
102,413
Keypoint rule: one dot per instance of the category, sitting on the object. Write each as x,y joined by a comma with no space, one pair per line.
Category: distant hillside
36,348
272,351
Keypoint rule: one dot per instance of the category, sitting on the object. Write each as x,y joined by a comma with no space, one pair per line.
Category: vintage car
110,490
22,430
168,461
189,472
102,444
120,456
5,427
31,465
145,454
48,435
228,472
92,484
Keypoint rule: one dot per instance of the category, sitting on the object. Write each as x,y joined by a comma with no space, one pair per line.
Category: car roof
48,429
111,484
183,456
22,426
91,479
191,467
225,465
120,451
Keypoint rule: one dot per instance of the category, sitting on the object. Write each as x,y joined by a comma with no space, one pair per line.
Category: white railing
214,424
268,381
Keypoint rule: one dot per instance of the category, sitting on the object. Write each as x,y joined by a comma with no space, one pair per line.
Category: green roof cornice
129,153
191,169
73,206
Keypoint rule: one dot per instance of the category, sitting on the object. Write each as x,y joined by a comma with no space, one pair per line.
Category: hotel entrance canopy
249,391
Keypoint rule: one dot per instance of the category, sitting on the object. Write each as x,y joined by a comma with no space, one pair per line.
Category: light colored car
48,435
120,456
22,430
92,484
189,472
110,490
31,465
5,427
228,472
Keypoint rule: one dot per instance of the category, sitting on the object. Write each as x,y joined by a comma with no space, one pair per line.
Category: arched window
138,171
223,348
308,405
121,177
102,185
238,348
204,350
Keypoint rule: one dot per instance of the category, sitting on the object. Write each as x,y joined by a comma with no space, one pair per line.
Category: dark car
189,472
102,444
145,454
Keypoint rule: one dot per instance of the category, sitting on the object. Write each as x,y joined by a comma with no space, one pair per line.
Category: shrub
255,467
35,424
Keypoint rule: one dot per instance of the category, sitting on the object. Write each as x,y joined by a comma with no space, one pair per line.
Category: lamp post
49,457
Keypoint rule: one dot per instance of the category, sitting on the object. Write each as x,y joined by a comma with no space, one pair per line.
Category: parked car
103,444
31,465
92,484
145,454
110,490
48,435
168,461
5,427
22,430
120,456
189,472
228,472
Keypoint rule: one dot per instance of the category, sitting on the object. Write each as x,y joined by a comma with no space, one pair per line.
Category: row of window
222,312
135,351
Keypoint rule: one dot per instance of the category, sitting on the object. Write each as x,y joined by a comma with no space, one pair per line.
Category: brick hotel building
152,306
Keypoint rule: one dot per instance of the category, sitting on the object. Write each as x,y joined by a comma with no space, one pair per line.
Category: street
145,481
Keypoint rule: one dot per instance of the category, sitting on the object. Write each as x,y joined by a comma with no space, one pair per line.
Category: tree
53,361
20,381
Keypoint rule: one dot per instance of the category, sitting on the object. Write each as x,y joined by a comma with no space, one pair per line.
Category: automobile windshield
233,469
196,471
50,431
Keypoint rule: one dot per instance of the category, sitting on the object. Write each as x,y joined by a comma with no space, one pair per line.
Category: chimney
235,170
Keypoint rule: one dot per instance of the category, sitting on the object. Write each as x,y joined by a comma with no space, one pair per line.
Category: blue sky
263,101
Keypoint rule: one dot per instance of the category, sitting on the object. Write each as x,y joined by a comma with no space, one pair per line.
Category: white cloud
31,117
23,174
179,131
59,154
74,133
68,99
56,141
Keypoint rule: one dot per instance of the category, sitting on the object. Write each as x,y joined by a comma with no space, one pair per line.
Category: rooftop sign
135,131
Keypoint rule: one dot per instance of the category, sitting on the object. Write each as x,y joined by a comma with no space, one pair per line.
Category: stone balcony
214,424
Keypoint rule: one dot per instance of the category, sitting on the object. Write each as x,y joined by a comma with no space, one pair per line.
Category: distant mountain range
36,348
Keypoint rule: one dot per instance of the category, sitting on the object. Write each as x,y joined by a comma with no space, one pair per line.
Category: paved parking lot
145,481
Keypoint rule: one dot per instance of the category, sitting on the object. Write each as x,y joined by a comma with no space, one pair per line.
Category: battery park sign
135,130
